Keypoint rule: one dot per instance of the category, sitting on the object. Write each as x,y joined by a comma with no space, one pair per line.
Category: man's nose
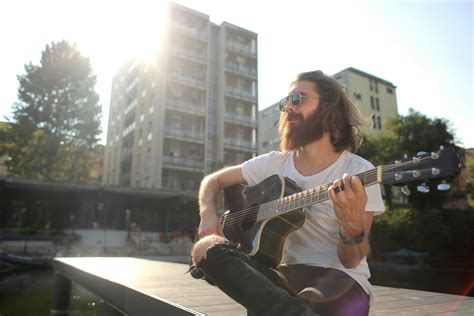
290,107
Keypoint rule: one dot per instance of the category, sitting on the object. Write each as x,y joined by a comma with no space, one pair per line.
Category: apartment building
190,111
375,97
268,137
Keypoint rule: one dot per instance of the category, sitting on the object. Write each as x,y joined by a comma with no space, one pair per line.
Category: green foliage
421,225
409,135
408,228
446,235
57,118
470,179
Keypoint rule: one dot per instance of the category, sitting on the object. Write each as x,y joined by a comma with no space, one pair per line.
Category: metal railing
240,48
240,118
189,53
246,144
169,131
240,93
190,31
186,105
184,162
188,80
242,69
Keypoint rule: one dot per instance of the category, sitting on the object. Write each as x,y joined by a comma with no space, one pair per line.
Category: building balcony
189,54
182,189
184,134
190,31
241,94
240,118
185,106
190,163
240,48
242,69
240,144
187,80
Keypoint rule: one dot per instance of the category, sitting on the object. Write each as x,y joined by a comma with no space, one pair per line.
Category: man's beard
307,131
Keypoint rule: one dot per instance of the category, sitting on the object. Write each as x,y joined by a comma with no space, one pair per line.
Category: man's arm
211,185
351,255
349,206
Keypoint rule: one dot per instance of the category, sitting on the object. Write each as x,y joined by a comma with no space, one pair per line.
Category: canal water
30,292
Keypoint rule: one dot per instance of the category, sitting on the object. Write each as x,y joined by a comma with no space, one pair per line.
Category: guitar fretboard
310,196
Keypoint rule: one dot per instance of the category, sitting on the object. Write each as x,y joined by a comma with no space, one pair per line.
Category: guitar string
311,193
300,195
242,214
245,212
294,198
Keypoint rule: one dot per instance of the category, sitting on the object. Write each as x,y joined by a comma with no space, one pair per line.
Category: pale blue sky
424,47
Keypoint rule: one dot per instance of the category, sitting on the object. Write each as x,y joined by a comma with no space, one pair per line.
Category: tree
470,179
57,118
409,135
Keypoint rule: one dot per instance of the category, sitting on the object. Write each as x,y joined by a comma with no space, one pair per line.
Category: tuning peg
443,186
435,155
423,188
405,190
416,173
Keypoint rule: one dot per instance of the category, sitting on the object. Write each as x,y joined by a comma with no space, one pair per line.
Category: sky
424,47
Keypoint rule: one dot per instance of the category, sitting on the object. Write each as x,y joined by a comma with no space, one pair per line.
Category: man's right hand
210,225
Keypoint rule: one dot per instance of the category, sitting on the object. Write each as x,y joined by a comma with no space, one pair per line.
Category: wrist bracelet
352,240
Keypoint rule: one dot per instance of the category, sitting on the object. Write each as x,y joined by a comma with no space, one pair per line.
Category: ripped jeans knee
201,247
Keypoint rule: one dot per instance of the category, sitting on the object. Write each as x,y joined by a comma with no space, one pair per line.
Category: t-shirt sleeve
258,168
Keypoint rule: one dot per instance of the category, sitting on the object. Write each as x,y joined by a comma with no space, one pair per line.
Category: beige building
375,97
268,137
190,111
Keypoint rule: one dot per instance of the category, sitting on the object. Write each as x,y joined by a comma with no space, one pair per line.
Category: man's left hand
349,200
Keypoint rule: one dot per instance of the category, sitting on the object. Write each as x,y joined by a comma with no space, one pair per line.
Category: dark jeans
289,290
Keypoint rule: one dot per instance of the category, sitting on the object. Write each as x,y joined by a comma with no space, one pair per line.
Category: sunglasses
296,98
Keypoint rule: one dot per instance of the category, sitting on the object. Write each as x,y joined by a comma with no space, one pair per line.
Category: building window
389,90
377,104
357,96
376,87
379,122
372,105
371,85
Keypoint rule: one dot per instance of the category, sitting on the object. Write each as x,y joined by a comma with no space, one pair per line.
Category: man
323,268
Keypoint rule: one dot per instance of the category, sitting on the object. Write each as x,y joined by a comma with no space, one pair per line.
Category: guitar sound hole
250,218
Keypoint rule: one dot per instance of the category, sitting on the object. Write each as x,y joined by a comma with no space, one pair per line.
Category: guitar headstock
444,163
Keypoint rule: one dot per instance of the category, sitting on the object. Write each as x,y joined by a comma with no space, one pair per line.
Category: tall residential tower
190,111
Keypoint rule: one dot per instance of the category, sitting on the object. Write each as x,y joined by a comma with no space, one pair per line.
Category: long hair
336,113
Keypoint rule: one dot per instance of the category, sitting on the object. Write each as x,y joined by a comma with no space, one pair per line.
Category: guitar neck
310,196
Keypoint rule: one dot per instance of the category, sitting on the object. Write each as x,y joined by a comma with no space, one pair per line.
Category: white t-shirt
315,243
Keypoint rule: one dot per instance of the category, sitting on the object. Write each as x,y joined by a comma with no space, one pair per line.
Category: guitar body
262,240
